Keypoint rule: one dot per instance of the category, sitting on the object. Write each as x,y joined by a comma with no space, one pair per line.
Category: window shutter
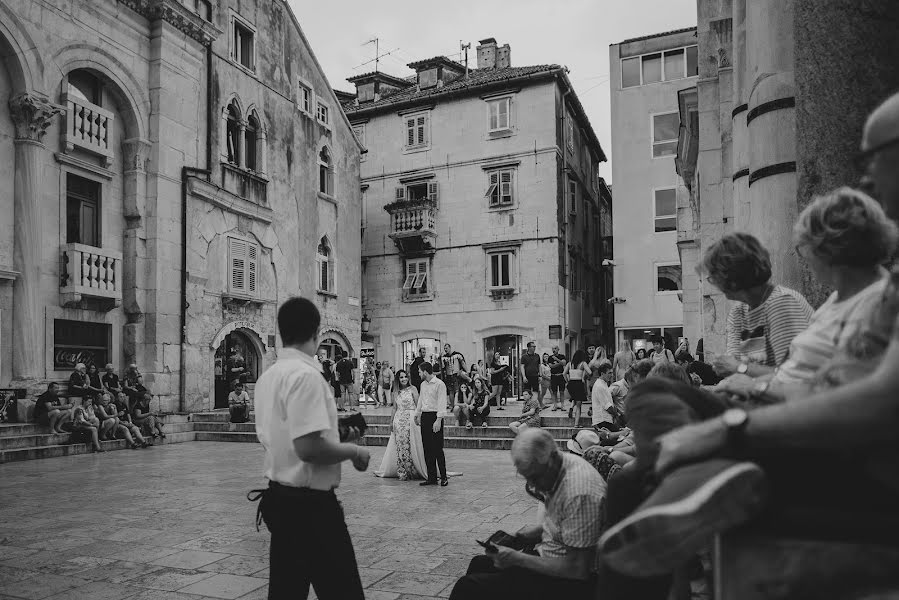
330,264
400,193
494,270
251,268
238,252
432,191
410,279
492,189
422,130
506,187
410,132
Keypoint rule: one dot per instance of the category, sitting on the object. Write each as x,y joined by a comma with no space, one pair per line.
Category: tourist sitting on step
121,406
464,405
149,422
107,418
530,413
49,409
239,403
563,562
80,384
133,385
111,382
480,409
114,427
81,425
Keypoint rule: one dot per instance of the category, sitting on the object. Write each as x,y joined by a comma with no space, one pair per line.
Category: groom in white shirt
429,416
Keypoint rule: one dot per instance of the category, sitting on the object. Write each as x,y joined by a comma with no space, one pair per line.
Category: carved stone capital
32,115
136,154
177,15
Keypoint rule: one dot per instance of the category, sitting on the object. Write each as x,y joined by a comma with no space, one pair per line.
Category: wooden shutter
410,132
401,193
238,264
432,191
505,192
422,130
252,262
493,190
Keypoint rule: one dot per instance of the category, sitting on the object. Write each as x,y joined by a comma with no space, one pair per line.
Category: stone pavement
173,523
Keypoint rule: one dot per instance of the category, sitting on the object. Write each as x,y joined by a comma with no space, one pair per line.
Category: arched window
325,266
233,134
325,172
252,143
86,86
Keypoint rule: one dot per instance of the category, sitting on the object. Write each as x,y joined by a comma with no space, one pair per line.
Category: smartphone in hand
488,547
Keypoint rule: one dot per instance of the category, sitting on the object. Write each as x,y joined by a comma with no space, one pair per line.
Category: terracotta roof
477,78
437,60
658,35
380,75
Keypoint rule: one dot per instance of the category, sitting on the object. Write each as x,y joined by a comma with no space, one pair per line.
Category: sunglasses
863,159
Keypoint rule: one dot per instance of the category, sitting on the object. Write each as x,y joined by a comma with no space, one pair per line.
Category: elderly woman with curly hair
845,238
766,316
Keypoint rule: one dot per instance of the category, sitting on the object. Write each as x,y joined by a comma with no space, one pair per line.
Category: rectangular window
304,98
569,141
417,131
630,72
80,342
243,263
416,284
500,188
82,211
500,270
665,210
572,196
664,134
674,64
322,114
668,279
652,68
498,111
244,45
692,61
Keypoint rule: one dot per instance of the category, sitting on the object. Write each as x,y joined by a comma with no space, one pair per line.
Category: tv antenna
378,55
465,48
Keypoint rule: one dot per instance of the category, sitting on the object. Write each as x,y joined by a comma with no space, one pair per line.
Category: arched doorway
236,359
509,348
332,345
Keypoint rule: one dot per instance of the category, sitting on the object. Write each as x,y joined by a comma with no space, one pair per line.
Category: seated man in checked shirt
572,500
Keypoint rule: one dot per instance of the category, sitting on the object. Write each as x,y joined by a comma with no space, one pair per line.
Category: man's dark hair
737,262
426,367
51,385
642,368
604,367
298,321
684,356
671,371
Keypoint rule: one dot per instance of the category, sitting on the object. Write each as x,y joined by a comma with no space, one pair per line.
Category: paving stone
225,586
189,559
170,579
239,565
36,588
406,582
12,574
95,590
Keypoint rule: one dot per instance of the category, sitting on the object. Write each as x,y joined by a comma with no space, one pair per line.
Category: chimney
487,53
503,58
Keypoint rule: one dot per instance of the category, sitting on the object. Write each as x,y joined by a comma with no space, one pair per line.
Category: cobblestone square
173,523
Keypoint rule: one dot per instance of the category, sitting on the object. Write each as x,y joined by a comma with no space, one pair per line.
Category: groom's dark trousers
433,445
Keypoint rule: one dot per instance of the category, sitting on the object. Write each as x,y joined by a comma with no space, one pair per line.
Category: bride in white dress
405,456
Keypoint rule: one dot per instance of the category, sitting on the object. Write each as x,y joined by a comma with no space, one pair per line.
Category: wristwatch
736,420
742,367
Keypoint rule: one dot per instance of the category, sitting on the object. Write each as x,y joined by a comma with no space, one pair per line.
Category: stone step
484,443
44,438
226,436
8,429
55,450
496,419
216,426
559,433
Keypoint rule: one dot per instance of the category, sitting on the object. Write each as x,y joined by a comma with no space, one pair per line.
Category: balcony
413,225
89,128
89,272
246,184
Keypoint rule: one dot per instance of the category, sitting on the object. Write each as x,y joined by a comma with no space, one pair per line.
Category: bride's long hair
399,386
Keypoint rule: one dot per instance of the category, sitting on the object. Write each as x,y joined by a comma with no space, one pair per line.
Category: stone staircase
214,427
26,441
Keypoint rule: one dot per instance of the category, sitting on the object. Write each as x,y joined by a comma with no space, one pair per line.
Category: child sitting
239,404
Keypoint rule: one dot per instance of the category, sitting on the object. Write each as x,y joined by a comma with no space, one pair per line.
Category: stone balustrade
413,221
88,127
90,272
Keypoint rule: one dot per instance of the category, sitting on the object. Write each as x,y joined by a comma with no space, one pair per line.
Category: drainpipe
565,213
185,172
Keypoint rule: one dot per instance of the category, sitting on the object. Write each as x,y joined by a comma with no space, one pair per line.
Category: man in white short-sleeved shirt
296,421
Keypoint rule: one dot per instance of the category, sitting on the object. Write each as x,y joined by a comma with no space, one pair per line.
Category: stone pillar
739,135
136,155
834,96
771,123
32,115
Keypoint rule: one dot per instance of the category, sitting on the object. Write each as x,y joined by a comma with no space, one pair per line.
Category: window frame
250,268
426,131
656,216
664,78
655,272
652,134
321,108
328,167
325,260
305,97
571,195
498,101
498,188
410,279
238,21
108,347
512,268
98,208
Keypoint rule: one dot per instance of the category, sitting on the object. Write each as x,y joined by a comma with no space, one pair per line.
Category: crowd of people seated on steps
110,408
799,436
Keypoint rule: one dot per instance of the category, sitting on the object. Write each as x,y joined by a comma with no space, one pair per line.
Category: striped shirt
763,334
574,513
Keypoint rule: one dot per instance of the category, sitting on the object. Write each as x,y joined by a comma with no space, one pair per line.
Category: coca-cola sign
66,358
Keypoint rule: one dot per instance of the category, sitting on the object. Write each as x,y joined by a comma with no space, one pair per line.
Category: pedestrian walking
429,416
557,362
296,420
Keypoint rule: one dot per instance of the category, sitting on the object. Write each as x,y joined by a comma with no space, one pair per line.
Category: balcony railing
247,185
413,221
90,272
88,127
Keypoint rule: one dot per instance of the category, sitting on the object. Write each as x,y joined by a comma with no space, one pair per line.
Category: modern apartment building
483,215
646,74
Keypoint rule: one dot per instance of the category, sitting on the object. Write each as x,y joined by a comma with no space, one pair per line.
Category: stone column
771,123
136,155
834,96
739,135
32,115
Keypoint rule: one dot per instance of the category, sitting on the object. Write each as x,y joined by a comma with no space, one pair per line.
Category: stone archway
238,354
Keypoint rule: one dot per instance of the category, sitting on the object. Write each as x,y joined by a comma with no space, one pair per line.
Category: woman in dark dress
498,375
477,416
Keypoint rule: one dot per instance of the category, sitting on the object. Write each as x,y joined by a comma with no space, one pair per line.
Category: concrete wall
635,174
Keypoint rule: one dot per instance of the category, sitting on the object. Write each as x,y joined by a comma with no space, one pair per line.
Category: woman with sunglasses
404,457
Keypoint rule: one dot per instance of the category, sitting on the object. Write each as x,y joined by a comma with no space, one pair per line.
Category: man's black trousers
310,545
485,582
433,446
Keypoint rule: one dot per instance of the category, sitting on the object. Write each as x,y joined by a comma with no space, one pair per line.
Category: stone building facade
770,124
646,74
163,163
485,223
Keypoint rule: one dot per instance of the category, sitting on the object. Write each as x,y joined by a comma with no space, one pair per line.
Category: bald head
881,141
882,124
533,452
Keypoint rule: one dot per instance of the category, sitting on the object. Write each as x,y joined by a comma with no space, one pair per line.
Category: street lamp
596,321
366,322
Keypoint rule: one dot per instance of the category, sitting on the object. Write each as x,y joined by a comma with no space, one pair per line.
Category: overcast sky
574,33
